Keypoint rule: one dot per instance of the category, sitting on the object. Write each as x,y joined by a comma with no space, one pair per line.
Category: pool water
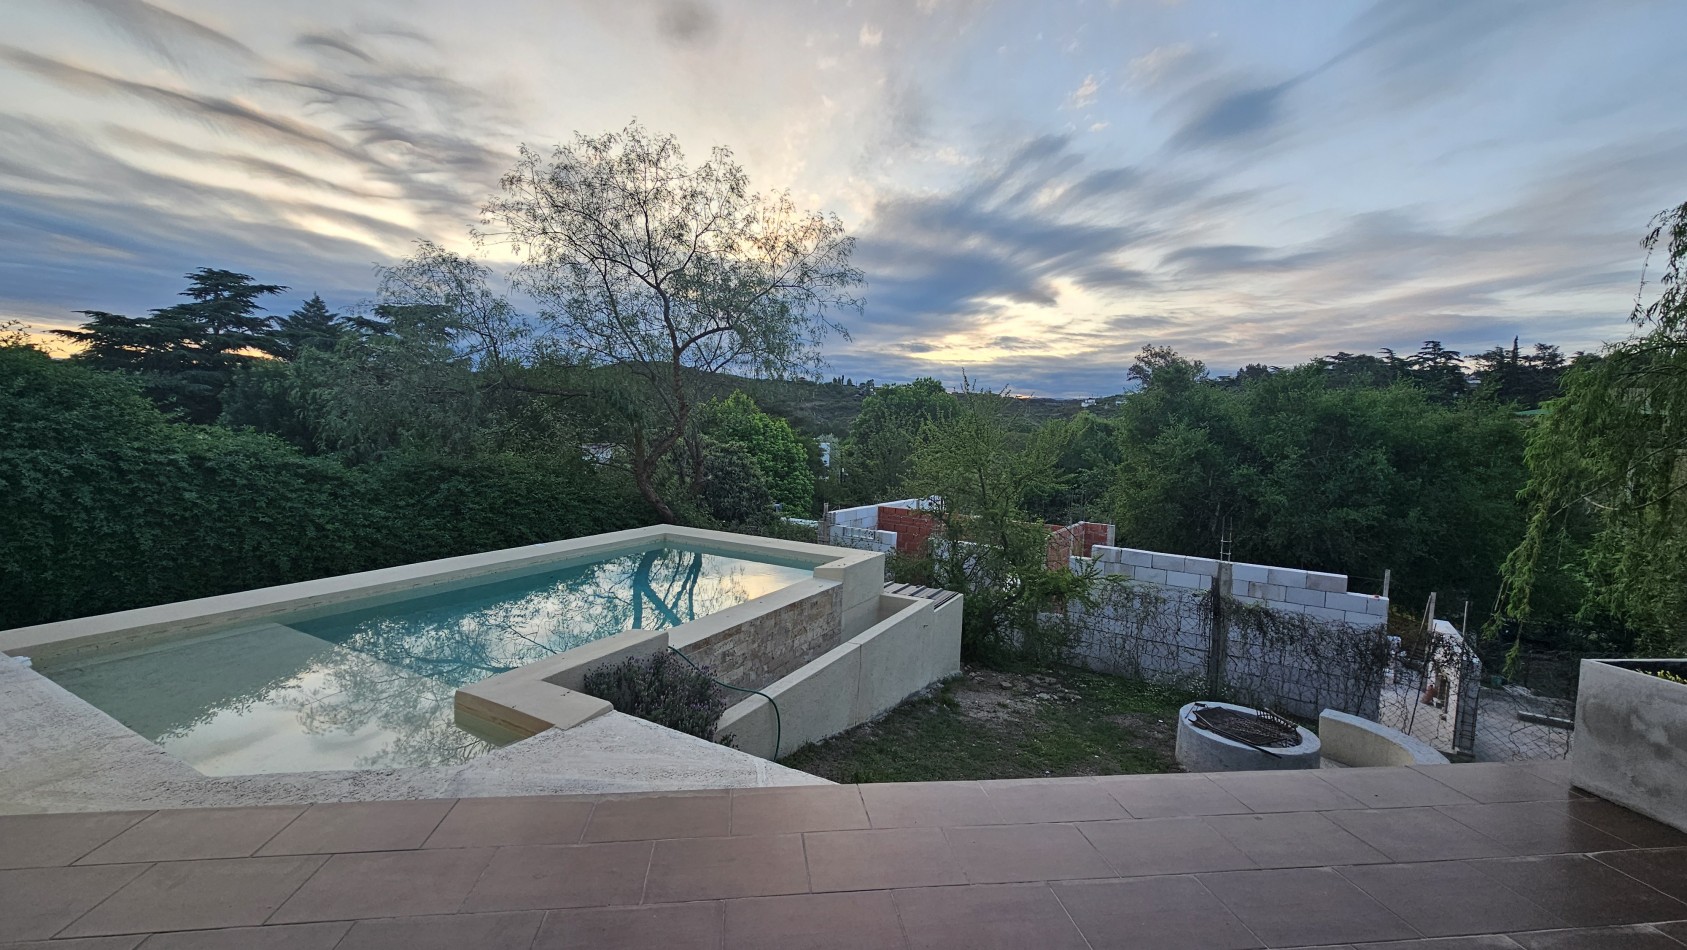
371,684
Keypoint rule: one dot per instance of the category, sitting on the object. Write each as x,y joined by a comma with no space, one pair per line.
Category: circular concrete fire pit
1224,737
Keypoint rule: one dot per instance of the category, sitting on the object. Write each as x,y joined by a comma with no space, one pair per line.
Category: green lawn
989,724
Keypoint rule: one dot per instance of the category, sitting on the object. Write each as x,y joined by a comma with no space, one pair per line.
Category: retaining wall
915,644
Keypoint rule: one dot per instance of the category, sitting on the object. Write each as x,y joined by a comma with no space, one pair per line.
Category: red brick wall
912,526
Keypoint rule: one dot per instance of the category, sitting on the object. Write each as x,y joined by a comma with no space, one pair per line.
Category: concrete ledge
1360,743
917,643
1630,745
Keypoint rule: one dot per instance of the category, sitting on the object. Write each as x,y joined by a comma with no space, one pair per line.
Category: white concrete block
1250,572
1204,566
1359,618
1149,575
1375,604
1344,602
1168,562
1135,558
1300,595
1286,576
1267,591
1334,583
1185,579
1325,613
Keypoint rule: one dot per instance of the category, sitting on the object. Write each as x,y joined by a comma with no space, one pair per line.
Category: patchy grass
990,724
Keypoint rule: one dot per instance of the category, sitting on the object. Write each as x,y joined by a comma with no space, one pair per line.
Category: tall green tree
882,439
1608,466
777,454
311,327
186,354
1298,469
673,272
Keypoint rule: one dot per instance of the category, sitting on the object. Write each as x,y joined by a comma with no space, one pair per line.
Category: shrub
663,689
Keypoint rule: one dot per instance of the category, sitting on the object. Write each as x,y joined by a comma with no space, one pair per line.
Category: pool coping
143,625
527,700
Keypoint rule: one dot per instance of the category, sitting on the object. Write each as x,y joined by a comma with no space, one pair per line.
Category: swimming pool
369,682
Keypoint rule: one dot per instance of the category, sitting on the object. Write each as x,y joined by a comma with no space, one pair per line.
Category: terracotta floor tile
660,816
387,884
1533,827
775,811
1293,840
1031,800
1582,891
986,917
1297,790
491,822
691,869
1497,782
36,903
1641,937
1664,869
359,826
1305,907
667,927
454,932
1478,942
196,895
1166,796
856,920
1676,929
928,804
1392,787
191,834
1165,913
1138,846
1448,898
1417,834
323,936
1632,827
41,841
1005,854
869,860
125,942
555,876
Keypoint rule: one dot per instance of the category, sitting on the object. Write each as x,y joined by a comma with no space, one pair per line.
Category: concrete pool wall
767,642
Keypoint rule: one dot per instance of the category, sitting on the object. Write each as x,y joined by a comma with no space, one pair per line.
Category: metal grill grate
1261,729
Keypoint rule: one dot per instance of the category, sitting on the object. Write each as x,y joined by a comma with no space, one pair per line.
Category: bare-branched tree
670,272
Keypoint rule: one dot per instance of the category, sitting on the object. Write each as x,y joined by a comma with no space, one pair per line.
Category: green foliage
674,271
1303,470
778,455
1607,465
186,354
663,689
108,504
991,548
883,438
733,491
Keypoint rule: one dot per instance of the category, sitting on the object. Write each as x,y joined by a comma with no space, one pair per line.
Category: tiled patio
1463,857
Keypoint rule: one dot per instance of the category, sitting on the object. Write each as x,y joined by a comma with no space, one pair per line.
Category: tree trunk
642,474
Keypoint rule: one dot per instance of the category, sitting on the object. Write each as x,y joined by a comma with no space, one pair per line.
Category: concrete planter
1631,737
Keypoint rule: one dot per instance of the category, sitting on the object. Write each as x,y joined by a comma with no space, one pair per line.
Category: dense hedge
106,504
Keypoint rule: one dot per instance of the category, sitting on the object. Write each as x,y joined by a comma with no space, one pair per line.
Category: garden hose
777,729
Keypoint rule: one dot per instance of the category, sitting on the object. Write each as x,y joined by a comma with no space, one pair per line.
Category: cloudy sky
1039,188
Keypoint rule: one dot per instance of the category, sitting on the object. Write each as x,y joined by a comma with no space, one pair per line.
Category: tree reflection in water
401,667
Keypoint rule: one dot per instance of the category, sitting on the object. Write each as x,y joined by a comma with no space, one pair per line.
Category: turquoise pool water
370,683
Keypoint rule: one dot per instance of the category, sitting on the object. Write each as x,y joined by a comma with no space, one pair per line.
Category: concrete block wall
1289,590
1159,627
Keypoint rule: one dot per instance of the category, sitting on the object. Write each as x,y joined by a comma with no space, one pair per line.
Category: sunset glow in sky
1039,189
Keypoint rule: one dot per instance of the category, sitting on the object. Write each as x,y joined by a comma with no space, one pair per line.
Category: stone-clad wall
764,648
